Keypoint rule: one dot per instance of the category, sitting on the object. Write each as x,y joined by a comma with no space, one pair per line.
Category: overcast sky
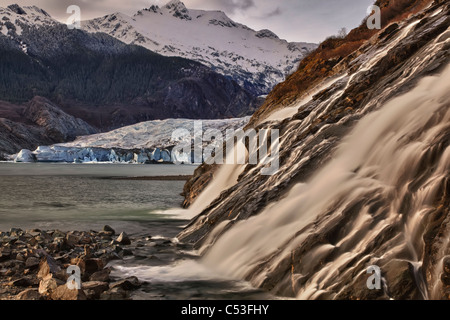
293,20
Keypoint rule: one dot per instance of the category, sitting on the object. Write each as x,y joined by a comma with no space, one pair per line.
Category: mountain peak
211,38
266,34
178,9
154,9
38,10
17,9
26,10
175,3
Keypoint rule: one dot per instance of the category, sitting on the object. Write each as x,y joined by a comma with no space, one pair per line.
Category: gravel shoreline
34,264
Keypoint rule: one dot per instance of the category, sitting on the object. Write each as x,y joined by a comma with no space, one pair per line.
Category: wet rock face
445,278
328,59
437,255
308,142
201,178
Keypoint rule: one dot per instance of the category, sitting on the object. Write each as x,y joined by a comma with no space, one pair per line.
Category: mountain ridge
104,81
209,37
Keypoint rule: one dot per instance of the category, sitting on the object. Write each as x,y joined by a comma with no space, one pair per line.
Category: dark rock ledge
33,264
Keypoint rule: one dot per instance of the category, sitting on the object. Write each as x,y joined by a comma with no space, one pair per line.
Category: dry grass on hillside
320,63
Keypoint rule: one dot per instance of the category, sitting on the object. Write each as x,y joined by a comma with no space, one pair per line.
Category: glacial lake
82,197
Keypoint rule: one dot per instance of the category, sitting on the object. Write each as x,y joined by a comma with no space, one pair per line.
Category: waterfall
226,177
381,183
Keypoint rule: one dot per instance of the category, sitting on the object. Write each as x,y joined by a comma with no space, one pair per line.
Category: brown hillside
321,62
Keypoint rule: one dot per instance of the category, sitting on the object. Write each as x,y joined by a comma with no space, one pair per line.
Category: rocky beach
34,263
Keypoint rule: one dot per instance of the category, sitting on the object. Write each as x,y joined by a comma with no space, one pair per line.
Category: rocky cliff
39,122
58,125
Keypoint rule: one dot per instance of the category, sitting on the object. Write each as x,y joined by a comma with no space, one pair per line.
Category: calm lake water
82,197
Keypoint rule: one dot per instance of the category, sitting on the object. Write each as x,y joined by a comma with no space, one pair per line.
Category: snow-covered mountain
15,18
102,80
257,60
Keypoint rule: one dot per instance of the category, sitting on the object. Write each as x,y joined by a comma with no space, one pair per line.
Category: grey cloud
95,8
231,6
89,9
240,4
274,13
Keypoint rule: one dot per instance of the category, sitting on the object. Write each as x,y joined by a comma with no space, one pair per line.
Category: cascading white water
227,175
225,178
379,160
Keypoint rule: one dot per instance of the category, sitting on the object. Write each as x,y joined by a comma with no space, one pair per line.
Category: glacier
145,142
